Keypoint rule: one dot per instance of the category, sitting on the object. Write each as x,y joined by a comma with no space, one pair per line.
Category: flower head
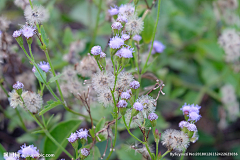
116,42
125,95
123,81
125,37
138,106
134,84
44,66
122,19
122,104
28,151
11,157
137,38
192,127
28,31
102,55
125,52
136,120
127,10
152,116
129,91
37,14
82,134
96,50
32,101
193,116
183,124
186,109
18,85
102,80
134,25
175,139
85,152
158,47
113,11
17,34
148,104
73,137
116,25
14,99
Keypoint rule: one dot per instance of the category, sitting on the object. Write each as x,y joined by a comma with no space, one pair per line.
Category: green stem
21,120
165,154
96,26
30,2
4,90
30,50
182,154
157,149
154,33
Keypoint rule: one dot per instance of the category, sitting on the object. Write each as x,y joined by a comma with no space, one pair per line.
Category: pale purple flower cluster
125,37
116,25
43,65
17,34
125,52
122,104
28,31
134,84
129,91
137,38
82,134
18,85
183,124
73,137
116,42
192,111
102,55
11,157
152,116
158,47
122,19
96,50
194,116
138,106
125,95
113,11
85,152
28,151
192,127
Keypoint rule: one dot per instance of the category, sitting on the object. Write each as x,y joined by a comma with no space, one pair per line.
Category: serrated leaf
44,36
50,106
40,75
100,124
60,133
147,33
67,36
53,79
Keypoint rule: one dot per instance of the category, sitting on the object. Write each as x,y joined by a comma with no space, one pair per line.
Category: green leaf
38,75
50,106
60,133
126,153
100,124
67,36
91,131
44,36
49,120
147,33
53,79
36,132
2,151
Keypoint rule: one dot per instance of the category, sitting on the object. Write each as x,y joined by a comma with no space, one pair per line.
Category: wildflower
137,38
28,78
113,11
28,31
129,91
44,66
116,42
122,19
105,97
11,157
183,124
134,84
18,85
96,50
125,37
14,99
158,47
123,81
175,140
122,104
85,152
136,120
192,127
148,104
125,52
138,106
143,150
127,10
32,101
73,137
102,81
125,95
116,25
152,116
37,14
87,66
102,55
193,116
28,151
17,34
134,25
83,134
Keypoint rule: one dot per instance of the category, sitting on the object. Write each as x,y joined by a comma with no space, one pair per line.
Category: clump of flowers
37,14
29,151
